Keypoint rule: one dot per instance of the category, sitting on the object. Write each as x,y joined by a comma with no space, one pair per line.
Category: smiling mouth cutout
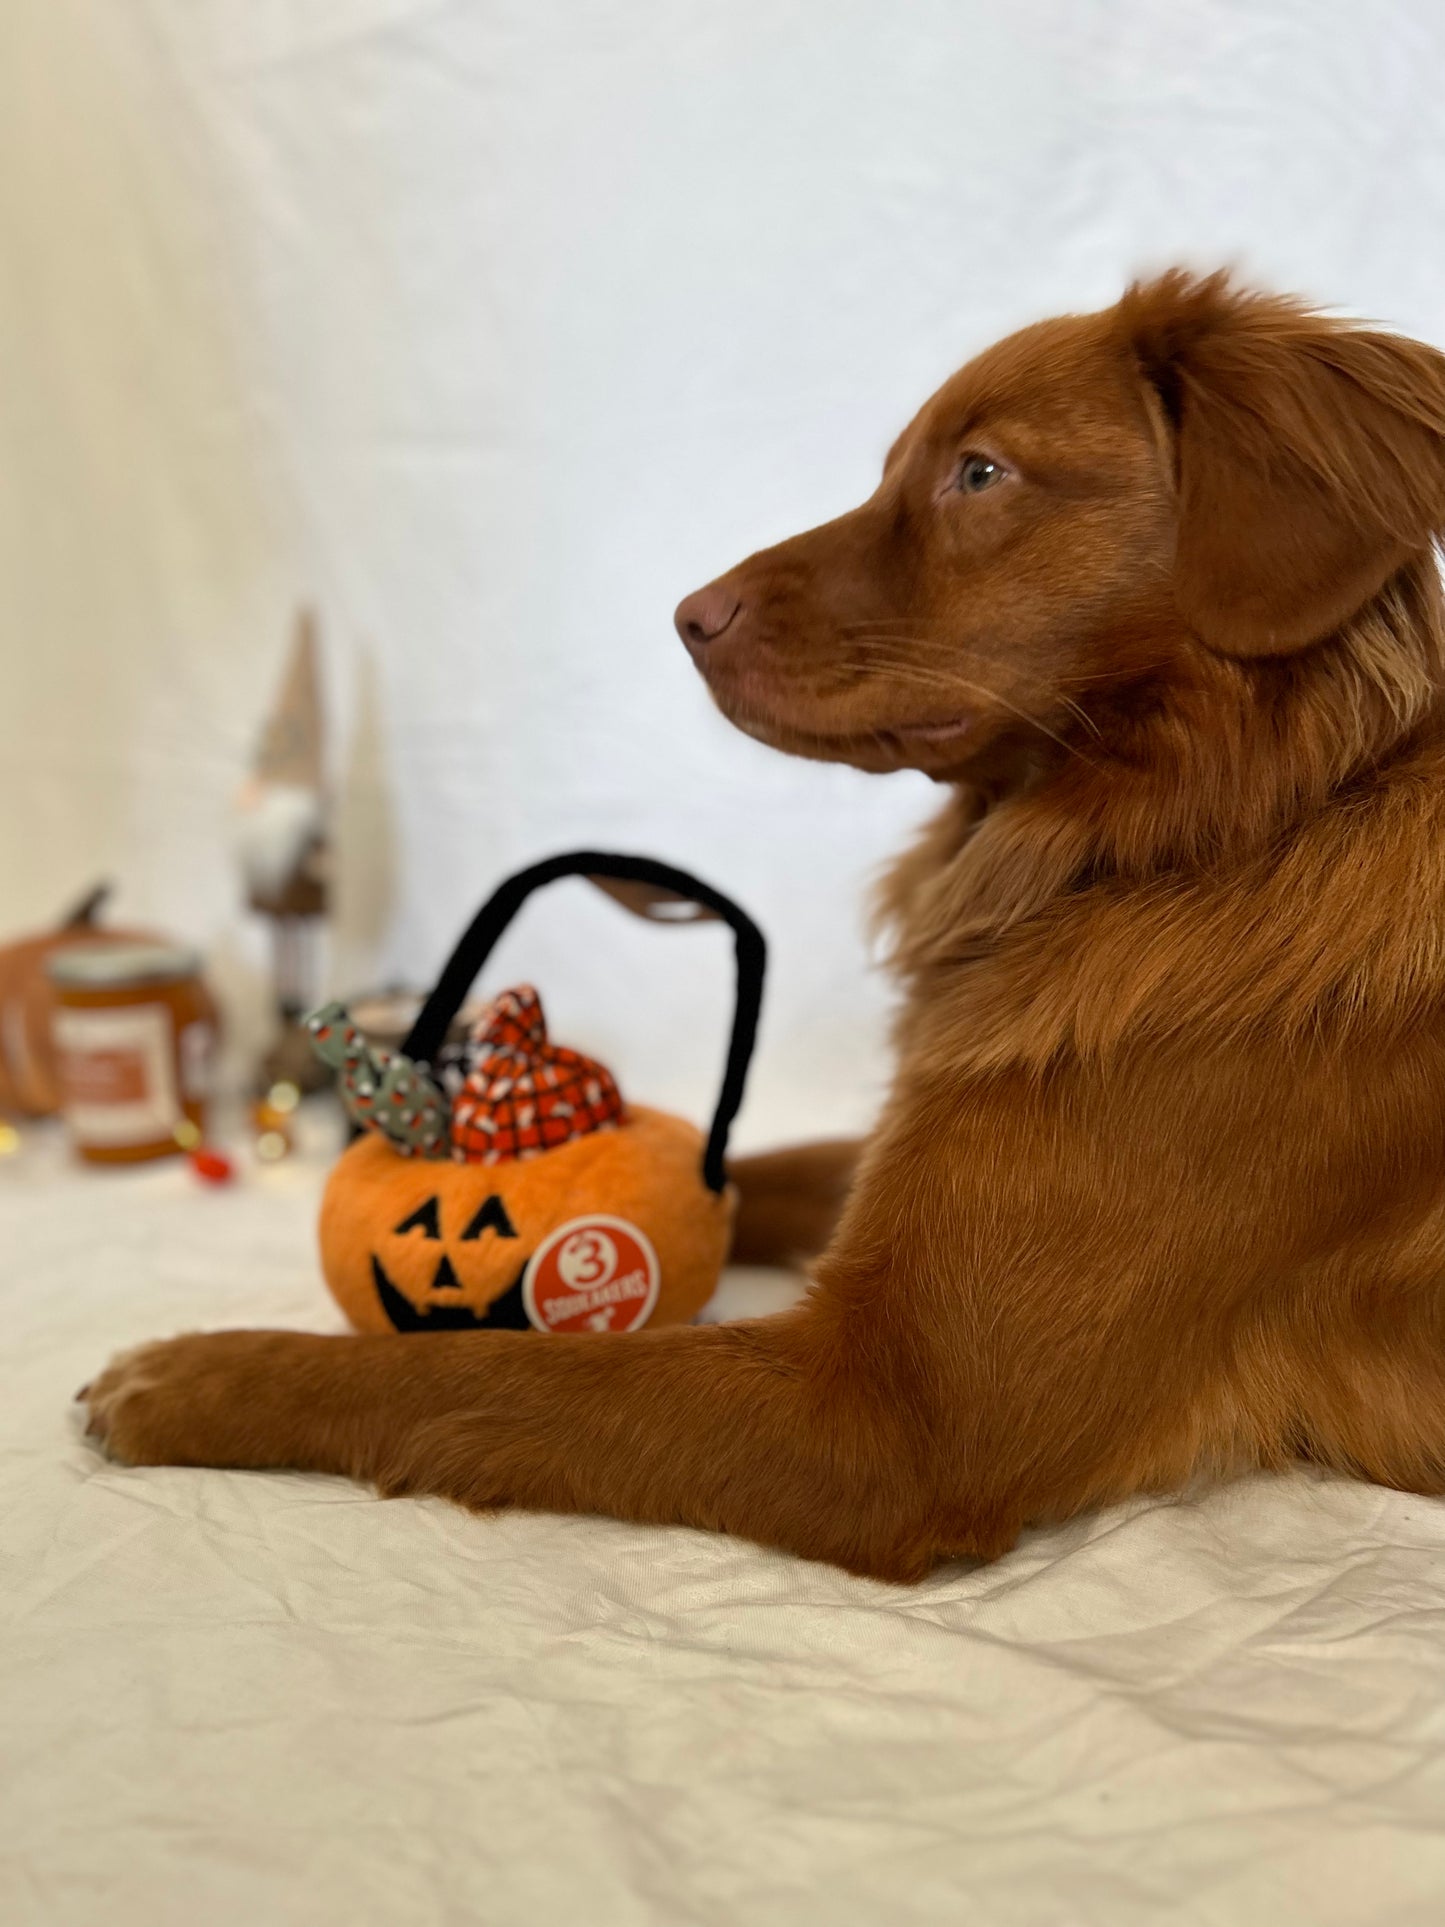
506,1313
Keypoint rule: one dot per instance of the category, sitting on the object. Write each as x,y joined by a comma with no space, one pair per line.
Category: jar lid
111,966
386,1017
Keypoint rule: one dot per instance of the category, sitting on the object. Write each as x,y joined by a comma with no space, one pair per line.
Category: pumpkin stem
84,914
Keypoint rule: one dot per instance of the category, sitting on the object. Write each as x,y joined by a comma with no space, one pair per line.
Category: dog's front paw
183,1401
135,1408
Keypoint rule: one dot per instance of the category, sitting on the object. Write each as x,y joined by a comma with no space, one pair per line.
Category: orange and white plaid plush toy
523,1095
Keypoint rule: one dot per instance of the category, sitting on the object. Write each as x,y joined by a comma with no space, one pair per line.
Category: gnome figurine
282,844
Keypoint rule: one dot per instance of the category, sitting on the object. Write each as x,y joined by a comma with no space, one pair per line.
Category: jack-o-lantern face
421,1244
427,1293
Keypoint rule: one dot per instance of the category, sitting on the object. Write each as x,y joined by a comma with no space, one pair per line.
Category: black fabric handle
479,940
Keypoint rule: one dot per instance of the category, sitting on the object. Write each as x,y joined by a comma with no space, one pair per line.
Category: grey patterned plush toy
382,1090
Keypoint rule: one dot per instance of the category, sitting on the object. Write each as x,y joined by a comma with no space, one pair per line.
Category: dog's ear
1309,455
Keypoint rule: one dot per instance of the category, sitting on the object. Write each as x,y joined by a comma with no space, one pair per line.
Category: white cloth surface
242,1698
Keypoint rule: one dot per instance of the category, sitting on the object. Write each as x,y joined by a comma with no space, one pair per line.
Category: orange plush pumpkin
623,1225
427,1244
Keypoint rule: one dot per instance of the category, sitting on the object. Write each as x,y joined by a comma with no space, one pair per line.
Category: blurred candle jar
135,1035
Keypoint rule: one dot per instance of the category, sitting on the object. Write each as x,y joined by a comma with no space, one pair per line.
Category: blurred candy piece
9,1140
283,1097
272,1146
212,1167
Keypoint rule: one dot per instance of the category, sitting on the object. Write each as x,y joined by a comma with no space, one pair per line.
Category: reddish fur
1158,1191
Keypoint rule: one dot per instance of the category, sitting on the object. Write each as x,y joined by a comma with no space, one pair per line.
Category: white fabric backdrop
494,327
497,325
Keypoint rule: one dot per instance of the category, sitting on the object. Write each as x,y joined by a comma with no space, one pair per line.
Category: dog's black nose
703,616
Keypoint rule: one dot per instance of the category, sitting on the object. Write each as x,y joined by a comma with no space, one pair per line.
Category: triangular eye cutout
491,1216
424,1218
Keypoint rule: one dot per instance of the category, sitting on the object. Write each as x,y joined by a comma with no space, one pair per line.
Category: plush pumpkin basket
502,1182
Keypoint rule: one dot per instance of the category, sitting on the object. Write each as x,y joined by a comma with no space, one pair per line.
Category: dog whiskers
942,682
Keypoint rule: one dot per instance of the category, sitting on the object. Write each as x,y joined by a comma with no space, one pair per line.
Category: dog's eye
977,473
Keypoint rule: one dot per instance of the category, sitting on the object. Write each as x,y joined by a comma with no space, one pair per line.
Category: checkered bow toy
523,1095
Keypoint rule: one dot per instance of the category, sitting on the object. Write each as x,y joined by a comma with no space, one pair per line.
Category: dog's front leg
767,1429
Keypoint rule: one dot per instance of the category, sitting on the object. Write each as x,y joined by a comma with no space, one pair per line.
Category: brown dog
1160,1188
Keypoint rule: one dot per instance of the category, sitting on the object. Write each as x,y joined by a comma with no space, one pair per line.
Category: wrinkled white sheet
241,1698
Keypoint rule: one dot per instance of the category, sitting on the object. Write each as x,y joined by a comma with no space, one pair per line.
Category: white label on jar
117,1074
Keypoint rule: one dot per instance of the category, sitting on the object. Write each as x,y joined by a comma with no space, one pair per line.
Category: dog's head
1092,505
